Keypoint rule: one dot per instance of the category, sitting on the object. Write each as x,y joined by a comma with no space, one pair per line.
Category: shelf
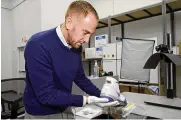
21,46
173,6
92,59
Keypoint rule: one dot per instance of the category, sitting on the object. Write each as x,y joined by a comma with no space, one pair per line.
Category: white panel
26,22
134,56
6,43
104,8
109,51
109,65
119,50
21,61
118,67
53,12
154,73
121,6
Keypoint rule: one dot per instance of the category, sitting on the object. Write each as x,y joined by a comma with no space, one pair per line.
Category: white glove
109,104
94,99
121,101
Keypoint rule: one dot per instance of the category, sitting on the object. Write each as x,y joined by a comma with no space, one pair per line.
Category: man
53,63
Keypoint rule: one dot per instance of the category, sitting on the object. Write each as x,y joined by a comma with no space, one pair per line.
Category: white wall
114,7
26,22
6,4
53,12
104,8
177,27
29,17
16,2
10,3
6,43
152,27
122,6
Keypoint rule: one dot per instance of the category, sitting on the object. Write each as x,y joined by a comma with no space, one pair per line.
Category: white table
151,110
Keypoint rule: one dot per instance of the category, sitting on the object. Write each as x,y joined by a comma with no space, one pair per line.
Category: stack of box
112,56
109,58
111,53
95,52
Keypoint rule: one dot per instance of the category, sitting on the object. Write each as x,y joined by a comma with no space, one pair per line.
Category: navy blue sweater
51,68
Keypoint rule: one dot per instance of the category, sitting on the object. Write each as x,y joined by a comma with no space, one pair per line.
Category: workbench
150,111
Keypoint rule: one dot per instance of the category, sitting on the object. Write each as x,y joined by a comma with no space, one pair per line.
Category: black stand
171,60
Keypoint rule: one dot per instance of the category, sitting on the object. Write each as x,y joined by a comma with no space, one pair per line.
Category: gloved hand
121,101
94,99
109,104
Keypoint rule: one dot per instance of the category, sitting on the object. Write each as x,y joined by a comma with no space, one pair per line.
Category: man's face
80,29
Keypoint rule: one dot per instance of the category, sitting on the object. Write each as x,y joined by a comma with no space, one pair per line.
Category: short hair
81,7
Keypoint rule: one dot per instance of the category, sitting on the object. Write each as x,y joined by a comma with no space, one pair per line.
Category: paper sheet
89,112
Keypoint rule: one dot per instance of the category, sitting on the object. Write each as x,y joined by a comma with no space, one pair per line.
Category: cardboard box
91,53
109,51
119,50
101,40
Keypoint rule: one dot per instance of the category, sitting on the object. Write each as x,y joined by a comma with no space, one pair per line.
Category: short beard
71,41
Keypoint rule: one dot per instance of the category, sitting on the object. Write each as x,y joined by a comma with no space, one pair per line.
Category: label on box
100,37
101,40
98,52
98,49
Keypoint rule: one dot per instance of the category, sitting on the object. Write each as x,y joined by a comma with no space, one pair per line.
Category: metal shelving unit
139,14
158,10
144,13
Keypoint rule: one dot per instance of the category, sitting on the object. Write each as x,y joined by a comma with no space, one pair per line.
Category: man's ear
68,23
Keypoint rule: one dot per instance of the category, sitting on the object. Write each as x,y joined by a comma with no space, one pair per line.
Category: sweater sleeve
38,63
84,83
